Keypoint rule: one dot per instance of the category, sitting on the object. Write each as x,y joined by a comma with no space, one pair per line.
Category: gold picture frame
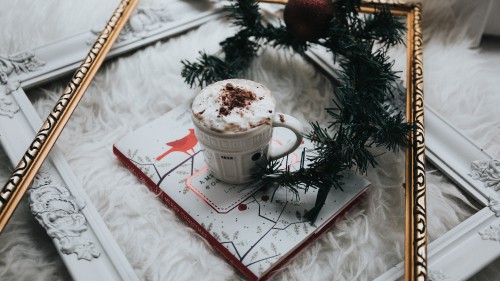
415,190
23,175
415,261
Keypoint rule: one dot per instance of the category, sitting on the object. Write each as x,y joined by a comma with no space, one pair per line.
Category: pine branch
280,37
244,13
360,118
247,50
206,70
387,29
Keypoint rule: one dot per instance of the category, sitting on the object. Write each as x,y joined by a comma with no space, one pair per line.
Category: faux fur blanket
460,83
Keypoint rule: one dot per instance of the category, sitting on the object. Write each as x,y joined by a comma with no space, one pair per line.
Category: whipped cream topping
234,105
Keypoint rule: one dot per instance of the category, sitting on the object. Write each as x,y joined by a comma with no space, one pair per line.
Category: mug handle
294,125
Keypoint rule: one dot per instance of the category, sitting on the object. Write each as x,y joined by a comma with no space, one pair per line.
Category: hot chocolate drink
234,122
234,105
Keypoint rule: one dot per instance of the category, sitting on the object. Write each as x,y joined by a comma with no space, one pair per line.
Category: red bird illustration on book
181,145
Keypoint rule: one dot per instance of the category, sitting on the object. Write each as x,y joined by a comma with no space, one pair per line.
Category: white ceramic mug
234,122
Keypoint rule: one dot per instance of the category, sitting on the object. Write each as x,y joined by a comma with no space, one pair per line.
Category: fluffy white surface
136,88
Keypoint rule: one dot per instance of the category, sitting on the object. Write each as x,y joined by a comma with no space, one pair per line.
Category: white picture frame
80,235
474,243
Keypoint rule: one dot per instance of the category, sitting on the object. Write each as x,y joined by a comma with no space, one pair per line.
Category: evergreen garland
360,118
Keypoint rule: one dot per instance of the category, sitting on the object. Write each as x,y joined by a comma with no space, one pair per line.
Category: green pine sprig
360,118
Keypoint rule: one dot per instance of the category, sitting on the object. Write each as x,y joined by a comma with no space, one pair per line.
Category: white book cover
256,228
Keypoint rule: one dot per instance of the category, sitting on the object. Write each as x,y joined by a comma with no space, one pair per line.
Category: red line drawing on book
203,180
181,145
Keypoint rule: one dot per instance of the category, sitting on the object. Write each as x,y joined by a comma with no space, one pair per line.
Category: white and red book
257,229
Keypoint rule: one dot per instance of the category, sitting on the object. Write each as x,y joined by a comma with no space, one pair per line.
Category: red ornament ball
308,19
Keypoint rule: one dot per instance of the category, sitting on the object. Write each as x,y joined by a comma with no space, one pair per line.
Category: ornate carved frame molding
473,244
56,198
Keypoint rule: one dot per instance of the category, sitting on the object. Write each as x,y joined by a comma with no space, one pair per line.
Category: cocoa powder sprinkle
235,97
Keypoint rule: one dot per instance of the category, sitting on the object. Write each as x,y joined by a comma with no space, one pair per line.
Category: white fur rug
141,86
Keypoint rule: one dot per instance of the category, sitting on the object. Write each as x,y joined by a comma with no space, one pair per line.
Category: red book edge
218,246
